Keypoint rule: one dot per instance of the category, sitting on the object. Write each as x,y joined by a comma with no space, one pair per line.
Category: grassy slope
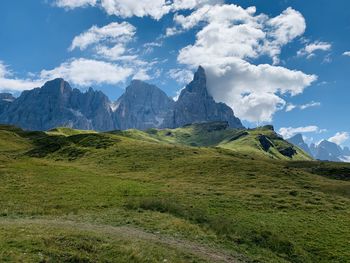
65,198
216,135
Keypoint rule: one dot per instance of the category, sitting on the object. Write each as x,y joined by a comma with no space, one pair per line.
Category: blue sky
274,61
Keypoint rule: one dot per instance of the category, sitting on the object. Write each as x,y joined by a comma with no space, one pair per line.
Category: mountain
57,104
142,106
196,105
298,141
325,150
329,151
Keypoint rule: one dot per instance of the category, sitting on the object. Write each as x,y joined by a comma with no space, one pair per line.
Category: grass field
184,195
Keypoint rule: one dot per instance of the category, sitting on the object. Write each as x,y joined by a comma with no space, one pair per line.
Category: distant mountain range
142,106
325,150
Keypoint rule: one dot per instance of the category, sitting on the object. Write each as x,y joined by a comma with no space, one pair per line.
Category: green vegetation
201,193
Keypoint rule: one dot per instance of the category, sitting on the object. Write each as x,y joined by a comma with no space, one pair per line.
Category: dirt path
205,252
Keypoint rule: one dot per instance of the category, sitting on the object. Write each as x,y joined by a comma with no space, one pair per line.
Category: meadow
184,195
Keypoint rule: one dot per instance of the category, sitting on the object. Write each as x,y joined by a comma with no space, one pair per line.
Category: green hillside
261,142
202,193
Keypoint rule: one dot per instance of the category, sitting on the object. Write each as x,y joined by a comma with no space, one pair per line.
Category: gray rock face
57,104
328,151
298,141
196,105
5,100
142,106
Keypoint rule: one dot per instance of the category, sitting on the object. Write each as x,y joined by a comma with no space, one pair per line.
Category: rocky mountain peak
142,106
200,76
298,141
58,86
198,85
299,137
196,105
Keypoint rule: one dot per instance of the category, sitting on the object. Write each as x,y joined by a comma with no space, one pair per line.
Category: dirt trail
205,252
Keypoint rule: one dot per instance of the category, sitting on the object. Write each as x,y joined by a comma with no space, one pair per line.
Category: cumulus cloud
288,132
232,35
119,33
282,30
290,106
129,8
86,72
310,49
339,138
346,53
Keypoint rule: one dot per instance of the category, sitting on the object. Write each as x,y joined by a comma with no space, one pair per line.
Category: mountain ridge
142,106
324,150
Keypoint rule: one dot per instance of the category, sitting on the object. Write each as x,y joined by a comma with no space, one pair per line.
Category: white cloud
111,43
119,33
15,84
70,4
310,105
339,138
290,106
150,46
346,53
182,76
10,83
230,36
310,49
191,4
116,53
172,31
142,74
290,131
129,8
86,72
282,30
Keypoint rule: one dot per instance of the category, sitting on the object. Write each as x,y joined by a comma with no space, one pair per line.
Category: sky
280,62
